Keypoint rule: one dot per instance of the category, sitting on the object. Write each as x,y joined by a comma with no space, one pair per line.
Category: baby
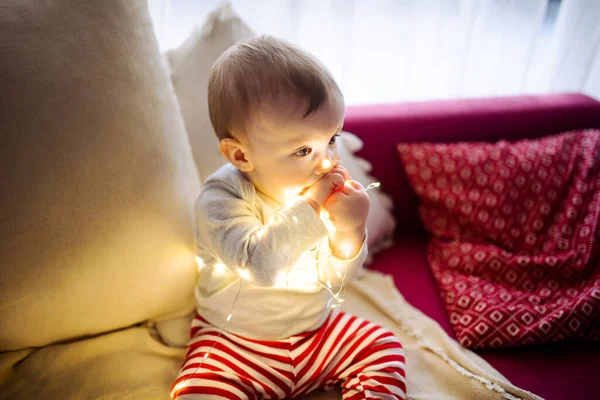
281,230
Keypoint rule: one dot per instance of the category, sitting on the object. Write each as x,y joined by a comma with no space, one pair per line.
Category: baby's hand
329,183
348,208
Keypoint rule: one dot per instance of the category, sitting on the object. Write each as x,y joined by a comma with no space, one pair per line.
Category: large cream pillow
97,180
190,69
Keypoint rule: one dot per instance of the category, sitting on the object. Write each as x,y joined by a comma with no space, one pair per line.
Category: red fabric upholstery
556,371
515,228
382,127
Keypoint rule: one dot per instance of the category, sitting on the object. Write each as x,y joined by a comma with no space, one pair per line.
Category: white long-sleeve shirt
278,253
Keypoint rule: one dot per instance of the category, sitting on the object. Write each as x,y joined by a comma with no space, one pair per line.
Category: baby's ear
235,153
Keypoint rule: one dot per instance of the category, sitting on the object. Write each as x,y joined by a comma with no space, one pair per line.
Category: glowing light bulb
326,164
244,273
200,263
281,278
229,317
324,215
205,357
346,249
290,194
220,268
339,274
373,185
260,232
295,219
329,284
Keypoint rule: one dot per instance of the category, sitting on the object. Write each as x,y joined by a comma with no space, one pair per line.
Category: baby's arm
335,267
256,252
348,210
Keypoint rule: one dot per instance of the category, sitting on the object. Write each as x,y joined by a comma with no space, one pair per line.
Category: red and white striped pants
366,359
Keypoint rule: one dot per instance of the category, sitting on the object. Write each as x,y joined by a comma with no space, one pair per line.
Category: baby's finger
352,187
355,185
337,196
342,171
337,180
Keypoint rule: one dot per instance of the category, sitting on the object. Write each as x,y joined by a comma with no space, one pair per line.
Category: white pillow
191,64
190,69
97,180
380,222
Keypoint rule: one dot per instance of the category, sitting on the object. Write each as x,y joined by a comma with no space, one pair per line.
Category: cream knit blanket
131,364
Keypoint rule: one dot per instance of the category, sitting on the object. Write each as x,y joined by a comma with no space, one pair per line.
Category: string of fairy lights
337,297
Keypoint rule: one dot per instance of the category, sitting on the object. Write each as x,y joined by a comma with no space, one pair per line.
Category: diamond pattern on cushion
515,235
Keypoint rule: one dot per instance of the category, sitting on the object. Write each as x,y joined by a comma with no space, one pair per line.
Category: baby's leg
205,385
366,359
235,368
378,367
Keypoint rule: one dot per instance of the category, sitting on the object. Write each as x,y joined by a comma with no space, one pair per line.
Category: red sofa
564,370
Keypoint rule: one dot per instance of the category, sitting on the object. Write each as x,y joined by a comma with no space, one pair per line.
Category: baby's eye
333,139
303,152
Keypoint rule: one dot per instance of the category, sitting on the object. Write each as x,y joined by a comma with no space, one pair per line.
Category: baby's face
290,153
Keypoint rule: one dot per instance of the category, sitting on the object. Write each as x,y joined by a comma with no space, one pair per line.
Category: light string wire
335,296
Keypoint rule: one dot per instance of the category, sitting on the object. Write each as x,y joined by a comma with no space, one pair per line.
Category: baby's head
276,111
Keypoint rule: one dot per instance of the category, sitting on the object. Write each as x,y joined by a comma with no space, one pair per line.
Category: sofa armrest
382,127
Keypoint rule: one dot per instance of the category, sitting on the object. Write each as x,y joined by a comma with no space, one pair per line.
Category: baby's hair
261,70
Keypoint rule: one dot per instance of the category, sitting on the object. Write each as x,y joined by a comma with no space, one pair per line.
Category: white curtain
398,50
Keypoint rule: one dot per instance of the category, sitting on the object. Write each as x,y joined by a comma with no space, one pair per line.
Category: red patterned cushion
515,230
